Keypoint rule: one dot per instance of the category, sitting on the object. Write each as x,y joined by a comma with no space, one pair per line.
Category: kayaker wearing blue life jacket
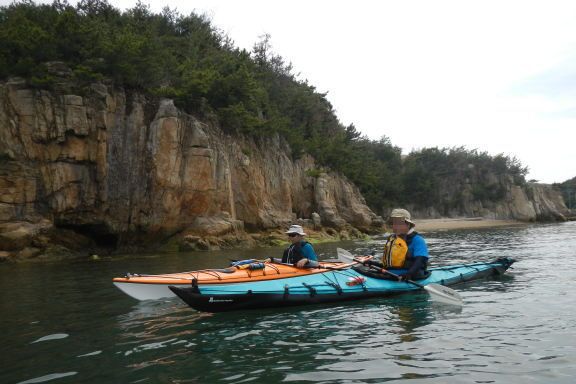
405,251
300,252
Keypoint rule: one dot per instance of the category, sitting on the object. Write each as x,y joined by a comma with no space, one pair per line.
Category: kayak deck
328,286
154,287
271,271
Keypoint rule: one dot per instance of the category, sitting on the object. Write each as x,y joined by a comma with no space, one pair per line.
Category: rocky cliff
99,167
92,168
497,197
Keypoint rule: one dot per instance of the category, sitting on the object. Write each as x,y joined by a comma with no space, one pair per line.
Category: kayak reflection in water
405,252
300,252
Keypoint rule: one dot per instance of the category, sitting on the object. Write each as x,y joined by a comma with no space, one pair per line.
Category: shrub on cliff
187,59
568,189
439,177
252,93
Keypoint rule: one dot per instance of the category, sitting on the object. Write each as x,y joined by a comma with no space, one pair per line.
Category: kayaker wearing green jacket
300,252
405,252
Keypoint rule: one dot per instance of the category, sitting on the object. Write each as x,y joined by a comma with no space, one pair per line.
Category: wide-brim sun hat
297,229
402,214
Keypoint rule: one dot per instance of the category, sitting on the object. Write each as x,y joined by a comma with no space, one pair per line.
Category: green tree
254,93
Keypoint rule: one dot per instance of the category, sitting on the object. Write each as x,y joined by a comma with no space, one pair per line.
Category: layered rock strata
100,167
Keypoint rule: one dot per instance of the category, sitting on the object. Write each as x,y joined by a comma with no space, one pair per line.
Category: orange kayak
153,287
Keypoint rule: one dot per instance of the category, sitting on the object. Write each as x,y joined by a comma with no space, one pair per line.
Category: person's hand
302,263
403,277
363,259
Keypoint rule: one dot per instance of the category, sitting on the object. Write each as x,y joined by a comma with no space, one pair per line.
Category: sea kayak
331,283
154,287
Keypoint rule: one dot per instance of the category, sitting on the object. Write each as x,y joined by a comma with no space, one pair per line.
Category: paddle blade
344,256
443,294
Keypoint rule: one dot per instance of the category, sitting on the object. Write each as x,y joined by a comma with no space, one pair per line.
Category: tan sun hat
296,229
403,214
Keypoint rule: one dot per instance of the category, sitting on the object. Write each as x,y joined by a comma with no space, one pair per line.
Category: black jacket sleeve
418,265
373,263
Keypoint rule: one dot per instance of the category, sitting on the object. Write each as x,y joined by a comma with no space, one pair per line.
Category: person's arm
418,264
310,259
374,263
419,247
419,256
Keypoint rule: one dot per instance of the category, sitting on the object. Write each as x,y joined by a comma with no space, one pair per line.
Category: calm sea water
66,323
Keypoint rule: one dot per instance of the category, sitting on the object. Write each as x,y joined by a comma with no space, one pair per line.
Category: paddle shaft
337,268
382,270
398,277
437,292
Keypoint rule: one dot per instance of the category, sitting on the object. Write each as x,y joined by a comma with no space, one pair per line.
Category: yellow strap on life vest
395,252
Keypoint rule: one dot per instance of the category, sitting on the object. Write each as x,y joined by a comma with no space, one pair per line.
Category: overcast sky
499,76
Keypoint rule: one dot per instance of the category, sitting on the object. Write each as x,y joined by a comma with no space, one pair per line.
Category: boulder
5,256
28,253
316,220
215,226
15,236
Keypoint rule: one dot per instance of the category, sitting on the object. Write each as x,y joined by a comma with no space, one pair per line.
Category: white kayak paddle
437,292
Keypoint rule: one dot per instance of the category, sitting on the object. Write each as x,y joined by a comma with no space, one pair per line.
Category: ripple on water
55,336
511,329
45,378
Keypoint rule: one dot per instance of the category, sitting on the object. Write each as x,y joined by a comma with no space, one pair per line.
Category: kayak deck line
271,271
153,287
463,278
329,277
329,287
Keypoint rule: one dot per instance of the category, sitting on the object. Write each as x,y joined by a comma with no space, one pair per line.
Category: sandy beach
461,223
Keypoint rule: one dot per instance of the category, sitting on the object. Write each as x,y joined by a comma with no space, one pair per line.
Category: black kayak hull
225,303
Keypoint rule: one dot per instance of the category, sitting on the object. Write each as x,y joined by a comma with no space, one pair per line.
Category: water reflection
515,328
275,338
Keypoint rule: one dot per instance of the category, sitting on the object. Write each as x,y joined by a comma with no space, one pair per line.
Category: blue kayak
331,285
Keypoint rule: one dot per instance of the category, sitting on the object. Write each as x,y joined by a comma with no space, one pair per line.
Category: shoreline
274,238
462,223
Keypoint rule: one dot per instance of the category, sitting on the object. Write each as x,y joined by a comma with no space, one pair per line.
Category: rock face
108,168
96,167
499,198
